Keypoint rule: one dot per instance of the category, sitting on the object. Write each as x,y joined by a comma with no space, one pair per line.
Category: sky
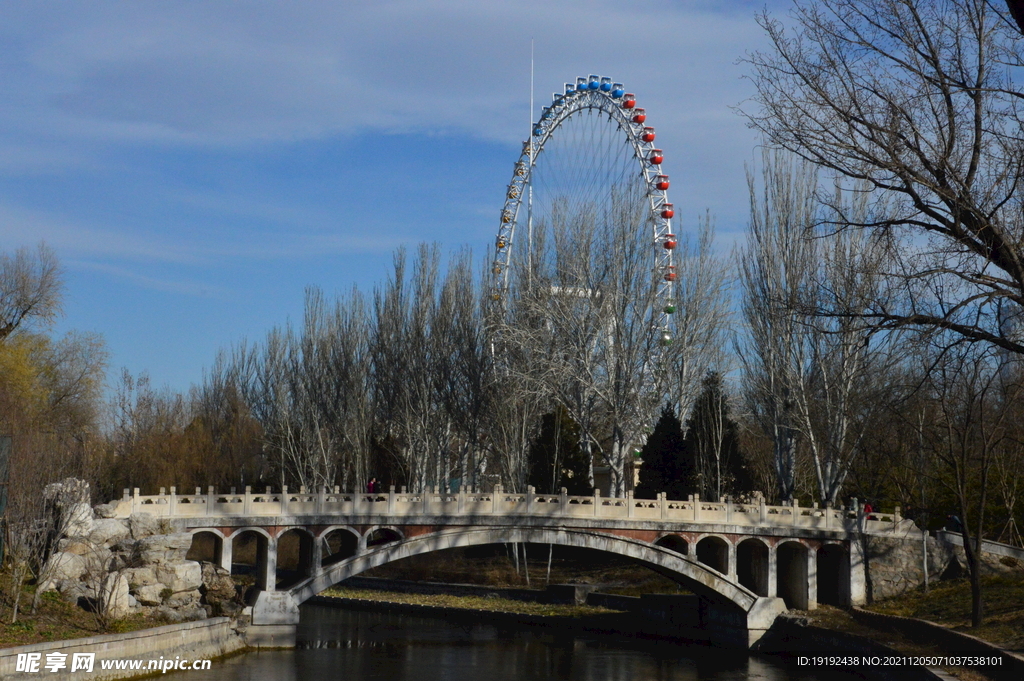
197,165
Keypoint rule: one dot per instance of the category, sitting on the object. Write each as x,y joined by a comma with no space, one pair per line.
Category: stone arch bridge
747,562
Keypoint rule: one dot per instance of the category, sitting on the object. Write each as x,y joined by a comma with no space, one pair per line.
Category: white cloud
237,73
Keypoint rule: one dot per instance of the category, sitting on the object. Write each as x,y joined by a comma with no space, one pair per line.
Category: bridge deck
497,503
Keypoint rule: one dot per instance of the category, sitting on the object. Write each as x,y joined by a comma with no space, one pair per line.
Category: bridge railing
497,502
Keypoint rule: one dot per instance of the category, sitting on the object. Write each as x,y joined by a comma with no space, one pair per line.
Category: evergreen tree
556,458
712,443
665,466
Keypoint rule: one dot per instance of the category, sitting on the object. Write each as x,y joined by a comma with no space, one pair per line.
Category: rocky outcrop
895,564
130,566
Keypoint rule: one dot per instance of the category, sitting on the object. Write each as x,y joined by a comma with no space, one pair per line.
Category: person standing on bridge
371,484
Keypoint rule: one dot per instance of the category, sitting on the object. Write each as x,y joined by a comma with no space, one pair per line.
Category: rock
114,596
71,499
152,594
141,576
108,510
217,583
168,614
226,609
143,525
108,531
193,614
75,545
164,548
63,567
184,599
185,576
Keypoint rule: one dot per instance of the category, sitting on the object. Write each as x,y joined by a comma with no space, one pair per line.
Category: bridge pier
266,561
275,618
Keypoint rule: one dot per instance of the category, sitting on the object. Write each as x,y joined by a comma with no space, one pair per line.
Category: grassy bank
949,603
56,620
469,603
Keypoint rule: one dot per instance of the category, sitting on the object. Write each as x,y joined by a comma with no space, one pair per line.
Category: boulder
143,525
184,599
108,510
71,499
217,583
108,531
164,548
63,567
186,576
75,545
152,594
141,576
114,596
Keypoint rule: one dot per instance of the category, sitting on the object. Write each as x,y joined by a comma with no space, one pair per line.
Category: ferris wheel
591,147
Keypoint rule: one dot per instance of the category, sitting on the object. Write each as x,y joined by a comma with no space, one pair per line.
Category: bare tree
976,393
776,268
30,288
916,99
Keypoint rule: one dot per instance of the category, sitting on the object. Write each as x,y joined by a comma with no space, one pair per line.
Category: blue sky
196,165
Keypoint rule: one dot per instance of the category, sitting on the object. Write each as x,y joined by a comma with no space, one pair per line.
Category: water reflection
368,646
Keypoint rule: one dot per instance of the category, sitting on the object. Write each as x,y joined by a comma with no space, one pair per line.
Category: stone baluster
529,499
172,502
796,510
696,507
135,500
321,499
597,502
630,506
247,500
496,499
391,499
284,500
563,501
663,504
461,500
211,500
762,510
728,510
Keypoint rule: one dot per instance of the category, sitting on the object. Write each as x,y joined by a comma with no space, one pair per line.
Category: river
371,646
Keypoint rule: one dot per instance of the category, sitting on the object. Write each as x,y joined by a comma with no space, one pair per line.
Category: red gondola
648,135
667,212
661,182
628,101
670,273
639,115
670,241
656,157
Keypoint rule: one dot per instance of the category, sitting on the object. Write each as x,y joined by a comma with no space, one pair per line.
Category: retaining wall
204,639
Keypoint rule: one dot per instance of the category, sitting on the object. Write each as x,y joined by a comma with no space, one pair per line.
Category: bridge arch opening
791,574
294,557
382,535
338,544
207,547
673,542
834,575
752,565
250,556
714,552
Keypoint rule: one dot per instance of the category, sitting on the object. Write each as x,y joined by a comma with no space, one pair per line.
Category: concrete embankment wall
204,639
791,638
951,642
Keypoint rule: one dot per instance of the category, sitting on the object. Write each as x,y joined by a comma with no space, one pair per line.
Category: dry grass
469,603
56,620
495,567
